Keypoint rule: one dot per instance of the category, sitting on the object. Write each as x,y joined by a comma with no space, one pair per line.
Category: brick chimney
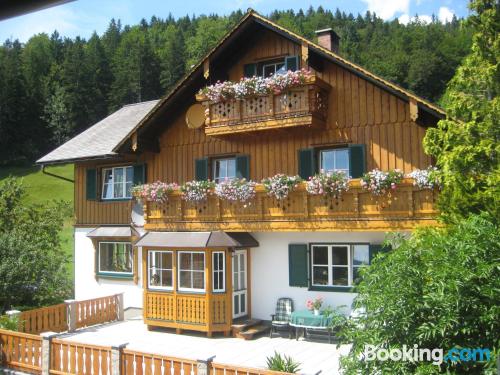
327,38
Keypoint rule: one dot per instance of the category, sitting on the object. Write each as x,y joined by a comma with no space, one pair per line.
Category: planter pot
316,312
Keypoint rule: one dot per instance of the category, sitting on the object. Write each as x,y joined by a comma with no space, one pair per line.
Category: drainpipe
55,175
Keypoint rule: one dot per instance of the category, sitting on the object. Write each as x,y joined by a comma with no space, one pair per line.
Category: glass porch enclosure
201,288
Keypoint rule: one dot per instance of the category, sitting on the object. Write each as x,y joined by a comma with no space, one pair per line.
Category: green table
306,320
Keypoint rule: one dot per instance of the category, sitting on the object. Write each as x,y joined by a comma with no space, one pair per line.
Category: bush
284,364
437,289
9,322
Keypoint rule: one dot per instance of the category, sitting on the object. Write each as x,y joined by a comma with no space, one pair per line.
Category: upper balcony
403,209
304,105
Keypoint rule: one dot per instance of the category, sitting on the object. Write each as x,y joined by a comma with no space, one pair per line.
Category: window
218,266
338,265
335,160
117,182
115,258
273,68
160,271
224,169
191,271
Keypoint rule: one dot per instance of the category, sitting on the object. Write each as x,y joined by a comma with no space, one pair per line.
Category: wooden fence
96,311
21,351
51,318
138,363
73,358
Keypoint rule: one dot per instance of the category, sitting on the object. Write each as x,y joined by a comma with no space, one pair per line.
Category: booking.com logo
416,354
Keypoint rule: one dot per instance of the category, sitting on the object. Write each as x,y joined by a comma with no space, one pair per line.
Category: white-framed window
336,159
219,271
160,270
117,182
273,68
224,169
115,258
338,264
191,271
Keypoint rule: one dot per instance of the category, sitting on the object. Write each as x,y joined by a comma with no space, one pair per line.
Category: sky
83,17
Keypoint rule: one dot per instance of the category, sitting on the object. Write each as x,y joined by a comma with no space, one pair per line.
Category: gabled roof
101,139
252,15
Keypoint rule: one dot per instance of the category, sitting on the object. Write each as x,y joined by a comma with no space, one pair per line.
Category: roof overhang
198,240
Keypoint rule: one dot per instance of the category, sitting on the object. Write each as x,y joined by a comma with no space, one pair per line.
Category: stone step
252,331
242,325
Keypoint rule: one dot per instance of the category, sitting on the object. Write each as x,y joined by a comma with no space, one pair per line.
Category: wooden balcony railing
201,312
305,105
404,208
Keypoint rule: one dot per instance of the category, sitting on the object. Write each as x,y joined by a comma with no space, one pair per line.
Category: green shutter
139,174
91,184
243,166
297,265
292,63
357,160
250,70
307,163
201,169
375,249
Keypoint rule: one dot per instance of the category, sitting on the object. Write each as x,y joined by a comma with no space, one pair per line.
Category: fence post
204,366
71,314
120,313
116,358
46,340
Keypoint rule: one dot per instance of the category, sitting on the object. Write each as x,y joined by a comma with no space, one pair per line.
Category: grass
41,188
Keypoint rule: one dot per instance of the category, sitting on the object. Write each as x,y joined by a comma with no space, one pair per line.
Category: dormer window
117,182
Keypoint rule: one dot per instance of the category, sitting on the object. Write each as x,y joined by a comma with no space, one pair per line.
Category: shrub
282,363
437,289
9,322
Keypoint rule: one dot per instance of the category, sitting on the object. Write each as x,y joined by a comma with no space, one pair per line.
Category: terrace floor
313,356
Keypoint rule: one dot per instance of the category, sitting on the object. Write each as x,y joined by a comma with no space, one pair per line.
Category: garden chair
280,320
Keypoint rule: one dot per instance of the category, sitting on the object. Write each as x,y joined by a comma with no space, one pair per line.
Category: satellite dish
195,116
137,215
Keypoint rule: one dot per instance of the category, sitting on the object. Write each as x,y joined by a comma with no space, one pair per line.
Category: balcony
404,209
301,106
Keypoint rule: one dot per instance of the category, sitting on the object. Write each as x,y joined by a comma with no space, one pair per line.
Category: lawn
41,188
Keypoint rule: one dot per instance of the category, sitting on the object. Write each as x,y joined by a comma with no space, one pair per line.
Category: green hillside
41,188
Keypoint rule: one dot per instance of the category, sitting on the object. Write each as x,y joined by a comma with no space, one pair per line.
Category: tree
466,144
57,116
32,270
438,289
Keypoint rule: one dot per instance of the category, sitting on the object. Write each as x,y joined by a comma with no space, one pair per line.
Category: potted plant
236,190
314,305
280,185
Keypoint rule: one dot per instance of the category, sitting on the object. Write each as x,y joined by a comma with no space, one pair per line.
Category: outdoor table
306,320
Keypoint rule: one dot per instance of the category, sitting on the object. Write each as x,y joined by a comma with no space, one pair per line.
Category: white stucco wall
86,285
269,268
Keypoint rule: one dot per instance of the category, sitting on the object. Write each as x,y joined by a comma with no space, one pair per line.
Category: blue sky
82,17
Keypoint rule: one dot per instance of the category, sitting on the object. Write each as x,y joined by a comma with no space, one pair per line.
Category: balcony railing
404,208
301,106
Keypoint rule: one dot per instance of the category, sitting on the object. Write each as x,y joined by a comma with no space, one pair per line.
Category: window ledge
106,275
104,200
344,289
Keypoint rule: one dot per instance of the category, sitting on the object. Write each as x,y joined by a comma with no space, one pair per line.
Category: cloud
405,19
445,15
387,9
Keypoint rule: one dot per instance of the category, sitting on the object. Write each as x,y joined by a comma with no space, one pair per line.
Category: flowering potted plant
197,191
380,183
155,192
280,185
236,190
315,304
329,184
425,178
253,86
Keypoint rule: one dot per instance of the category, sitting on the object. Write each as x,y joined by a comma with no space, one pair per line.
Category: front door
239,283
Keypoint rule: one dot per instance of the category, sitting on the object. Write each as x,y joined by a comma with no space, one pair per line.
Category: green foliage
32,271
282,363
9,322
438,289
338,317
466,145
53,88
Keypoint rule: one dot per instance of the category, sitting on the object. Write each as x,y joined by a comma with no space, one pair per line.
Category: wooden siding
358,112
